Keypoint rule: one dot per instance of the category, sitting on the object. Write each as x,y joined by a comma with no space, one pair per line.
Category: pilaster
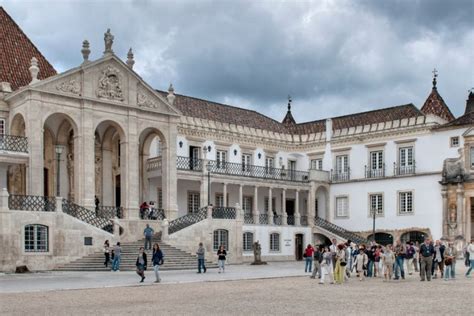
256,213
444,195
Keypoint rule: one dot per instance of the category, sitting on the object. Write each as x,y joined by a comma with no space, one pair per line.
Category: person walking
450,254
426,260
106,253
141,263
438,260
470,251
221,254
333,249
157,260
340,264
318,259
326,267
361,263
416,259
148,233
400,253
410,256
201,254
388,260
308,258
117,257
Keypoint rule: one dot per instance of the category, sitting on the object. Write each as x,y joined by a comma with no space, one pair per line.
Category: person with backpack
410,256
141,263
317,258
157,260
308,258
148,233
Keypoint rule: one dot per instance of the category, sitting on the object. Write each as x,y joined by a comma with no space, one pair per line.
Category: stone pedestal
4,200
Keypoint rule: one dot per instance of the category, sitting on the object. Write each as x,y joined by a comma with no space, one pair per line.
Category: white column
297,208
203,192
241,195
460,208
108,190
284,216
84,151
169,177
35,134
255,206
224,193
131,186
3,176
270,206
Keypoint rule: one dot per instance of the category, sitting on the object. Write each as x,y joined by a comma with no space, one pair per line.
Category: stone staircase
339,231
175,259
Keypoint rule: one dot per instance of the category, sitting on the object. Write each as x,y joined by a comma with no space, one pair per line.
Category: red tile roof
16,51
435,105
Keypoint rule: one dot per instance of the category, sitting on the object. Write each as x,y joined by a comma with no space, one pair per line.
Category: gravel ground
290,295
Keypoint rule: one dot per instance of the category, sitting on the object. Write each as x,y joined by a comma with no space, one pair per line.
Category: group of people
337,262
148,211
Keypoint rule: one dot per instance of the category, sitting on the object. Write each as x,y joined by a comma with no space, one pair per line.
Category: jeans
370,268
448,272
471,266
147,242
221,264
308,264
201,265
116,263
399,267
156,268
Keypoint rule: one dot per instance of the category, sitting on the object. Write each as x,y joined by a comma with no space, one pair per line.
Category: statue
257,253
109,41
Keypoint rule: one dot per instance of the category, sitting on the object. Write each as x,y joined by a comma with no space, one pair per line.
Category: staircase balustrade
33,203
220,212
88,216
187,220
338,230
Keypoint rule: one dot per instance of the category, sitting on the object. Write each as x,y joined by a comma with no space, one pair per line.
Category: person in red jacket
308,257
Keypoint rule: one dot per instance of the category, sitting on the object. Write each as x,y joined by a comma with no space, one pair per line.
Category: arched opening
382,238
109,165
414,236
320,239
16,179
153,161
322,203
58,156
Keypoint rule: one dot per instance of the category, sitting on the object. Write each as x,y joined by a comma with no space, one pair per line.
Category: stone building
80,151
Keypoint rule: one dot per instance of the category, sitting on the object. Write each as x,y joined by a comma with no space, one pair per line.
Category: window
269,165
221,158
265,205
454,141
376,160
246,161
221,237
194,202
472,157
342,206
406,156
376,204
274,242
219,200
2,126
342,164
317,164
160,199
247,204
405,205
36,238
248,241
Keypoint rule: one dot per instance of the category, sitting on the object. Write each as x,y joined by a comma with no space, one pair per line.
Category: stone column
241,195
59,204
108,191
297,208
35,132
237,238
311,204
3,175
444,194
84,157
4,199
164,230
460,209
224,192
130,189
169,177
270,207
255,206
284,216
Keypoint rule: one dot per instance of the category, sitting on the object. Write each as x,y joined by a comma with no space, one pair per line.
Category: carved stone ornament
454,171
110,86
145,100
71,86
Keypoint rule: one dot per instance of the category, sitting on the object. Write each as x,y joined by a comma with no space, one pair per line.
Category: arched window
221,237
36,238
274,242
248,241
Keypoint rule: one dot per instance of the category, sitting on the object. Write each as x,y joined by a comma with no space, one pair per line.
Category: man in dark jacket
426,259
438,259
318,258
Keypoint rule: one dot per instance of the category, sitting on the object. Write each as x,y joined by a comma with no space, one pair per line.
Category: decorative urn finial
171,97
108,41
85,51
435,75
34,70
130,61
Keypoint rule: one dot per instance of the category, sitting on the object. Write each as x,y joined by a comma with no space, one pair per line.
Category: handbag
343,263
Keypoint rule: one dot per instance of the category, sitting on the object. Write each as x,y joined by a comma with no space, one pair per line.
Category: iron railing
277,219
32,203
152,213
248,219
88,216
186,163
340,176
13,143
220,212
290,220
263,219
304,220
338,230
375,173
109,211
187,220
403,170
153,163
251,171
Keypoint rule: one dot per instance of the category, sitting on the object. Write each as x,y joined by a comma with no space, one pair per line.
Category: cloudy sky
332,57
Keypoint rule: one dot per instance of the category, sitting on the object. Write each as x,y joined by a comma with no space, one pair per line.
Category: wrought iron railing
186,163
13,143
263,219
152,213
339,176
338,230
220,212
375,173
248,219
88,216
110,211
187,220
32,203
403,170
290,220
153,164
277,219
304,220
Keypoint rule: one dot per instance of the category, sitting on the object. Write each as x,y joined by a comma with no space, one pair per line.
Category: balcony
340,176
153,164
18,144
374,173
186,163
407,169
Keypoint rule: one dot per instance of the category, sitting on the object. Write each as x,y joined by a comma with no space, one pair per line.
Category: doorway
194,157
118,201
299,247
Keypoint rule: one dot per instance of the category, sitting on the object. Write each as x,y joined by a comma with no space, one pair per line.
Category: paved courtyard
279,288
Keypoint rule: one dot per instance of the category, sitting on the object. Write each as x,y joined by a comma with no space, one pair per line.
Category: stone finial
435,75
171,97
130,61
85,51
34,70
108,41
